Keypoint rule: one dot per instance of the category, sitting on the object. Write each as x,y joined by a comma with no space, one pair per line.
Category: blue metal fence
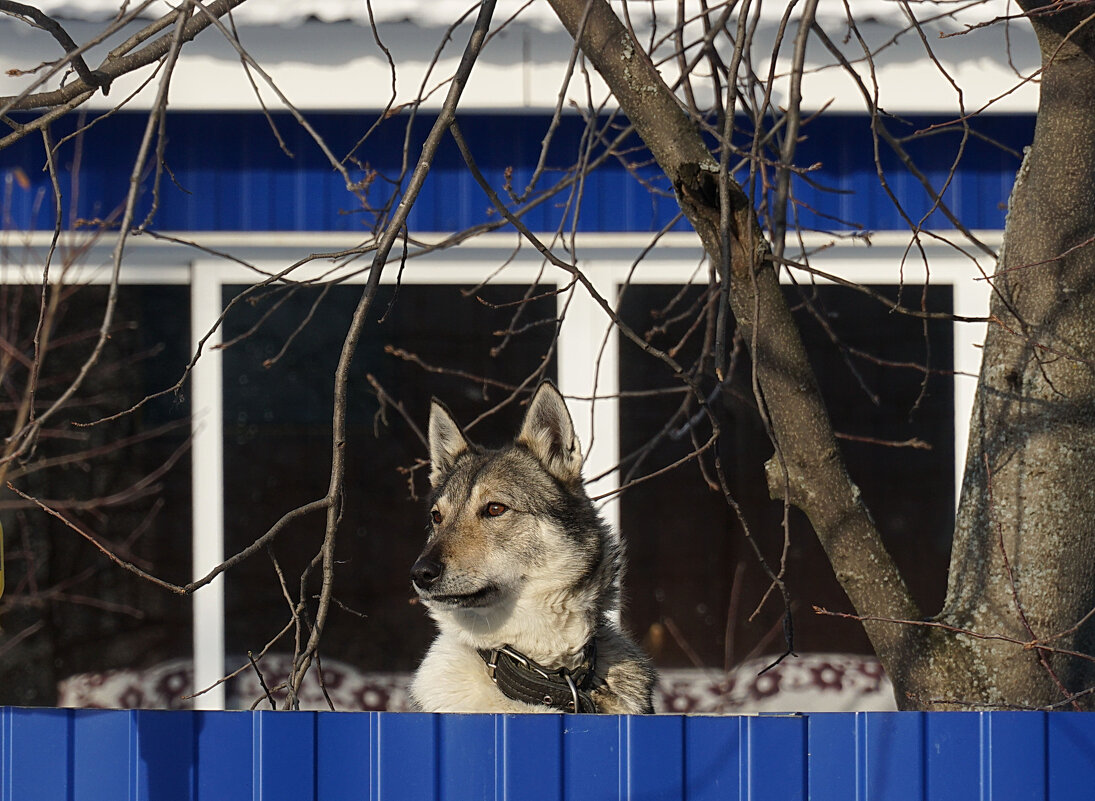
93,755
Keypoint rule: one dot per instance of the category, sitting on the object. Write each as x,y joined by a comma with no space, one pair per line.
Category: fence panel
115,755
712,769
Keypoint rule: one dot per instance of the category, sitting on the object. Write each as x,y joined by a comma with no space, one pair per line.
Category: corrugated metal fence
88,755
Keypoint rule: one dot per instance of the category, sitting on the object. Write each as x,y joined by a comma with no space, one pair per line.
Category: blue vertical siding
228,173
93,755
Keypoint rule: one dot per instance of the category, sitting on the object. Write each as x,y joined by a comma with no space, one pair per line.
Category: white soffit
322,56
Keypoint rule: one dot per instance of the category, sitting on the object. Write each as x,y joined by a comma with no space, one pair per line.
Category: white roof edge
952,13
321,241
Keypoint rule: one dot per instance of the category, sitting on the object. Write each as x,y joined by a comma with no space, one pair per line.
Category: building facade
249,191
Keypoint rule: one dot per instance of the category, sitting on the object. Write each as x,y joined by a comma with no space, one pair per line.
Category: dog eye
494,509
436,517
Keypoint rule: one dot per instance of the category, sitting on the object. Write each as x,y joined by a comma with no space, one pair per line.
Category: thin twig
262,680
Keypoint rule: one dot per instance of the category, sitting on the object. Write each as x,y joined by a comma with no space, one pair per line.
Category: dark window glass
694,581
125,482
277,414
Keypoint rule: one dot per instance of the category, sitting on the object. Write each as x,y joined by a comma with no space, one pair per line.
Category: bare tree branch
304,658
817,480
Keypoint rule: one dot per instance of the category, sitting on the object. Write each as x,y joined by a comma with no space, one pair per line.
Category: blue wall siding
230,174
93,755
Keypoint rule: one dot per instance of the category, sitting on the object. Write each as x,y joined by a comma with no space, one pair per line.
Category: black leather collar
522,679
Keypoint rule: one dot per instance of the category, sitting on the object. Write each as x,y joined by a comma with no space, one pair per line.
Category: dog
522,577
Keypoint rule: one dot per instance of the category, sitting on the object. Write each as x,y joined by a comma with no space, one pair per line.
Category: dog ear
447,442
548,432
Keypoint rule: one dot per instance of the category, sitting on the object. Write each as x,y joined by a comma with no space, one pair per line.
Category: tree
1016,628
1008,588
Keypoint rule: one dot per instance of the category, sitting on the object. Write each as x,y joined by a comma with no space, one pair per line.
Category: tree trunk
1023,559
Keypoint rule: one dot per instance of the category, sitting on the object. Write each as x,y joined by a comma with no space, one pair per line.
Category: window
123,482
695,582
277,443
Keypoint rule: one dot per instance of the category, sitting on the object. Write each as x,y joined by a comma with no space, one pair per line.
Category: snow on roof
534,12
330,65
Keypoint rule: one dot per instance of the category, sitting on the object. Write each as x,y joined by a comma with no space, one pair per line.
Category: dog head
510,524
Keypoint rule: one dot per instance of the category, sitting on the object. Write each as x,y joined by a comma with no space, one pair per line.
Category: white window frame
608,262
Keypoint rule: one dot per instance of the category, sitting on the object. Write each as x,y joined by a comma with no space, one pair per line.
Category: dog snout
426,571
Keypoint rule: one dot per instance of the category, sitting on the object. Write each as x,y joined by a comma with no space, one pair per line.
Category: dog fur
518,556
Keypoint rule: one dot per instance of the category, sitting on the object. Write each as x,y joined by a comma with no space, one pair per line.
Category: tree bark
1023,559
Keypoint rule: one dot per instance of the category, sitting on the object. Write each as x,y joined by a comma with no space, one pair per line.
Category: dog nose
426,571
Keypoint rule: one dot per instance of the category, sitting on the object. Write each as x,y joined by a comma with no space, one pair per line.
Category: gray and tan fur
518,556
